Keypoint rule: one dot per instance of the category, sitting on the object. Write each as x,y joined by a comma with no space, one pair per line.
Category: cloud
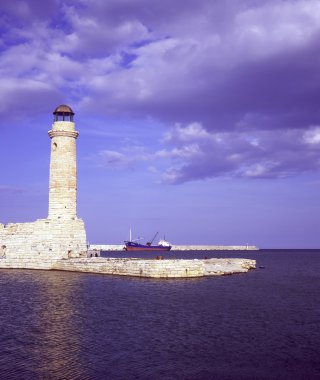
238,80
257,154
312,136
128,156
263,65
192,131
187,151
131,155
215,62
14,93
7,189
253,155
93,36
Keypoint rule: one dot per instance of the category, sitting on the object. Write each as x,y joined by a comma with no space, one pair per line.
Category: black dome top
63,110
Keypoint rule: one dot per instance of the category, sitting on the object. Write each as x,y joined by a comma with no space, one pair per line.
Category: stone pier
149,268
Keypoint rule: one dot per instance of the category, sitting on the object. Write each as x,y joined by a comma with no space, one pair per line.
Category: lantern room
63,113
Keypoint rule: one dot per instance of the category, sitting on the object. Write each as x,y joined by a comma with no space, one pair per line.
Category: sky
198,119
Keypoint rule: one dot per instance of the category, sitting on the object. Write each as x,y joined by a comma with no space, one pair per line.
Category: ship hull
129,246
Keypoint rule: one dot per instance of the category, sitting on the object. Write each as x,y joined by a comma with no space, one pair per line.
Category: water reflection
39,325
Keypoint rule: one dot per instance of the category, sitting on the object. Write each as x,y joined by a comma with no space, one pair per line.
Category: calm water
261,325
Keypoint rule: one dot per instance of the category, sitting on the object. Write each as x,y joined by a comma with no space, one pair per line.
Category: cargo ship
131,245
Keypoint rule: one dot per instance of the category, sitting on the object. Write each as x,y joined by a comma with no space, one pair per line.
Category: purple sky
198,119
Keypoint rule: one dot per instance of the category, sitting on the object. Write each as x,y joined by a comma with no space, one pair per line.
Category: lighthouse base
43,239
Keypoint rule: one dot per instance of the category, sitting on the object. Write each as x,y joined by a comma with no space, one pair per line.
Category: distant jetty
120,247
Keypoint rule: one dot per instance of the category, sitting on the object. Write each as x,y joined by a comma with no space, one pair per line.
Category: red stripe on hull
147,249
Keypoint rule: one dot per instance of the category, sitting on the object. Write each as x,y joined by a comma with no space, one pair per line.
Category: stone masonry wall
43,239
63,171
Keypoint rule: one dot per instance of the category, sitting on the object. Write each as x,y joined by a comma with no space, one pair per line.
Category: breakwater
152,268
120,247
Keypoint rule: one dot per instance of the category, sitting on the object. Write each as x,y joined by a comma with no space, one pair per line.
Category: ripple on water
259,325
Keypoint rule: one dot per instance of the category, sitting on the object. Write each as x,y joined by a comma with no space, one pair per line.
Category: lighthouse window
54,146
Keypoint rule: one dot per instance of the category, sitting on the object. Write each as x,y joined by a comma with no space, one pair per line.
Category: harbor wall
149,268
113,247
214,248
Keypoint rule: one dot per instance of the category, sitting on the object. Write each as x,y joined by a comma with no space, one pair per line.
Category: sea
264,324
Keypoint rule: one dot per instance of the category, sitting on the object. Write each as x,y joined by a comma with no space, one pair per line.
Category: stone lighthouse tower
65,225
63,166
62,235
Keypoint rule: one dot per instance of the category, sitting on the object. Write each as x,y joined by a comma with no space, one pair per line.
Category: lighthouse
63,166
62,234
67,230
